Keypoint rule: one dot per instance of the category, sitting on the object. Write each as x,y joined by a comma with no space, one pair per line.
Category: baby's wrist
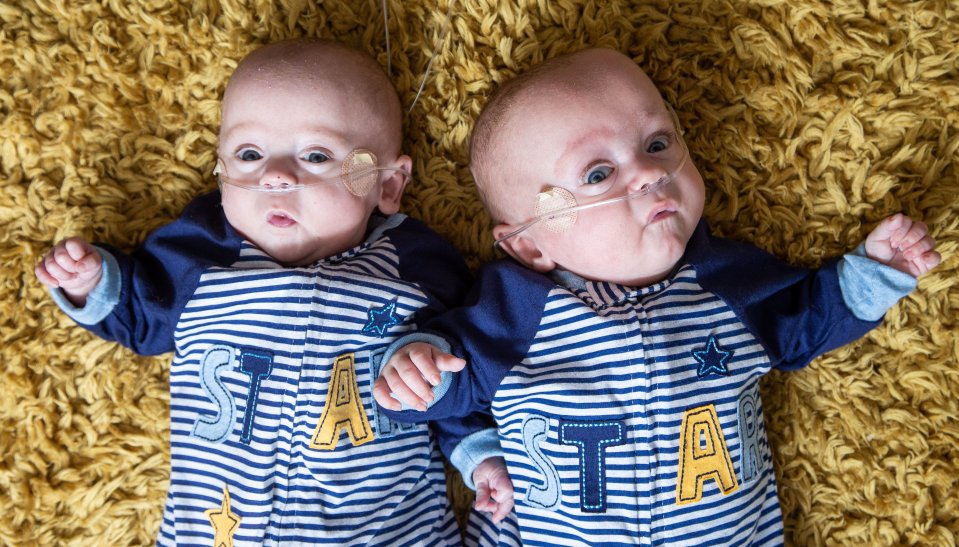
78,295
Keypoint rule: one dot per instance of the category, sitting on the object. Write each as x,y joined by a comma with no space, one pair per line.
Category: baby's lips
280,220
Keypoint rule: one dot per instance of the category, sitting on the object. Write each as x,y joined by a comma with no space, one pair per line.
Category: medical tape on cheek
555,200
359,172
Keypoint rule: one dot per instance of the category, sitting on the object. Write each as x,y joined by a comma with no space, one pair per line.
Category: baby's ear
524,249
391,191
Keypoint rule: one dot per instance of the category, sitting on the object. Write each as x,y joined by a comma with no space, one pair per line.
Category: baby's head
581,129
314,117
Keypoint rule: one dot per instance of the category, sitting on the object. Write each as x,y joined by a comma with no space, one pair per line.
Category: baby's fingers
41,272
924,262
426,372
383,395
910,236
484,501
914,248
891,229
87,258
58,266
400,389
448,362
503,507
77,248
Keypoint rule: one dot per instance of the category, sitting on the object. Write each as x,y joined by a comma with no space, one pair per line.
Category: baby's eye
597,174
658,145
248,154
316,157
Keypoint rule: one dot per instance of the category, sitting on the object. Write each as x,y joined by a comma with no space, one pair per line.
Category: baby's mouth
659,213
280,220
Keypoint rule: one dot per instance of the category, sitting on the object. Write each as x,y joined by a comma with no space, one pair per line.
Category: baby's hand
410,375
73,266
494,489
903,244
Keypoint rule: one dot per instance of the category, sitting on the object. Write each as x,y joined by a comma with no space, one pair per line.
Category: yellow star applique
224,522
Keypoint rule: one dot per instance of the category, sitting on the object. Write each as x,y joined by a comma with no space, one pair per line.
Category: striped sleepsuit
275,437
632,416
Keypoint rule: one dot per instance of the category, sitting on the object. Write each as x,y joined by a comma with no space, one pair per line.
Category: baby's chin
636,270
294,255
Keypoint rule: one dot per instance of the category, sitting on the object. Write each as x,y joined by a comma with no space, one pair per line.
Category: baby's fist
903,244
494,489
73,266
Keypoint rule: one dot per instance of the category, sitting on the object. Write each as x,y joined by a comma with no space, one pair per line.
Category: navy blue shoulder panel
160,277
428,260
495,327
796,313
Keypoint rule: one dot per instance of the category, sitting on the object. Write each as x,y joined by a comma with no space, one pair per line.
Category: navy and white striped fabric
482,531
592,421
278,349
632,416
275,437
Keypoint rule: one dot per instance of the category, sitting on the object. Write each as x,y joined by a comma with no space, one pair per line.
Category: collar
603,294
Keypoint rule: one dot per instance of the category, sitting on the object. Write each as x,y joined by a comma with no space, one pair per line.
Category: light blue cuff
446,378
472,450
101,300
869,288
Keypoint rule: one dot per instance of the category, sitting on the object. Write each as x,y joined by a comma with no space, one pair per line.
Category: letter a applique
343,408
702,456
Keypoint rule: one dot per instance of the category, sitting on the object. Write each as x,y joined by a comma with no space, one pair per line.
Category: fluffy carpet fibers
810,121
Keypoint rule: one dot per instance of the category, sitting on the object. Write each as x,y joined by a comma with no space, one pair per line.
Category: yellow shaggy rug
810,121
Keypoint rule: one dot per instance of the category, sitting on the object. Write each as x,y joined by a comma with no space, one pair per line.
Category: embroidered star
224,522
381,319
712,359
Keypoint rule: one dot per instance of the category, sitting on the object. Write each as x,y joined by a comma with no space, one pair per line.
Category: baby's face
577,141
295,131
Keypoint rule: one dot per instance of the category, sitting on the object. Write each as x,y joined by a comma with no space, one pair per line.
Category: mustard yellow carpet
809,120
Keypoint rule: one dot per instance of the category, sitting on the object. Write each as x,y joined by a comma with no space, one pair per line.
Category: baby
621,352
278,295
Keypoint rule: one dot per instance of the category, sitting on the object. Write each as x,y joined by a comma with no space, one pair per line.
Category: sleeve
492,331
433,264
467,441
870,288
139,299
796,313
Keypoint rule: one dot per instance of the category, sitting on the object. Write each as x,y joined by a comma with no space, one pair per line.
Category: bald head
571,77
323,64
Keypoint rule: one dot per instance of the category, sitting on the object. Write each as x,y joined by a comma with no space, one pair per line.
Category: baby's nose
279,173
647,178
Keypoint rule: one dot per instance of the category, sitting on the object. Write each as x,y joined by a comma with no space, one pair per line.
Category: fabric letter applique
381,319
749,422
535,431
216,430
592,438
215,361
258,365
702,456
343,408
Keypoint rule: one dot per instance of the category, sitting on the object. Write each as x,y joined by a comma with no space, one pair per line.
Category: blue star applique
381,319
712,359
